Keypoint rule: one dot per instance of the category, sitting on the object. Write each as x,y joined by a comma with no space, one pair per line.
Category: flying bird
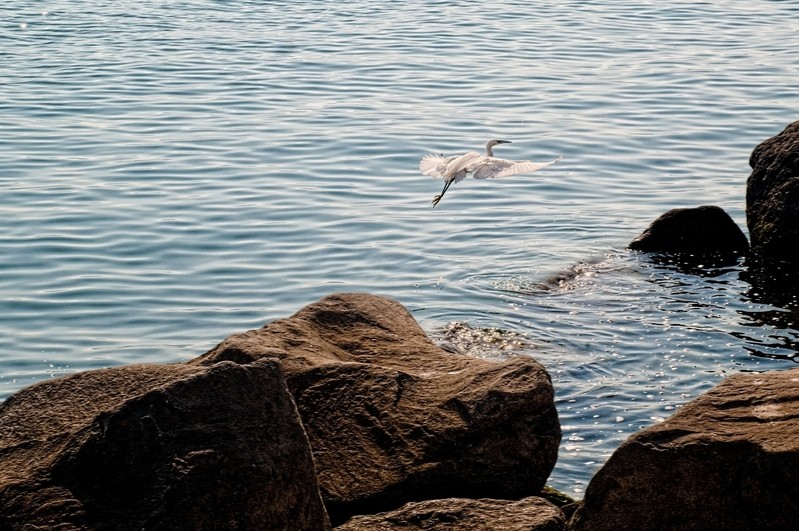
456,168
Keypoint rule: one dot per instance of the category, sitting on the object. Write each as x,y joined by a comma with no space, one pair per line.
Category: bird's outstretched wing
435,165
492,168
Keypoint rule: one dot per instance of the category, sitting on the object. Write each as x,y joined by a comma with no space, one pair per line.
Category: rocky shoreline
347,416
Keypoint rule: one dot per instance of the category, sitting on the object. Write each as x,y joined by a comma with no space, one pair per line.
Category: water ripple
174,172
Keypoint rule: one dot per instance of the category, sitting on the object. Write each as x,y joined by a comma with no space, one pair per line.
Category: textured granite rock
158,447
393,418
457,514
772,197
727,460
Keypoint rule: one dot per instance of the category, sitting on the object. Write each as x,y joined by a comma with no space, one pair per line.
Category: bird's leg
437,198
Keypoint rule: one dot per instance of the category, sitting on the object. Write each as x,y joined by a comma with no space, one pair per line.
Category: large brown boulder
727,460
158,447
700,233
772,196
458,514
393,418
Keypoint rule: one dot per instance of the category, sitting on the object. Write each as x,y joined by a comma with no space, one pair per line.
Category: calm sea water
173,172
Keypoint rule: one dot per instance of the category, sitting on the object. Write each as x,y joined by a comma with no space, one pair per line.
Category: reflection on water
776,286
774,283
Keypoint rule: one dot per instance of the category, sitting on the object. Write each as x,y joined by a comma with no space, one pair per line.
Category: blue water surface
174,172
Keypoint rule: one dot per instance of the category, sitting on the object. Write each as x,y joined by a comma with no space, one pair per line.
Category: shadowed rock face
772,197
158,447
458,514
393,418
701,232
727,460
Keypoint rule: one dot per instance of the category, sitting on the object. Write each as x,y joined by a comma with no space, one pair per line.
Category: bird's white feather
459,168
494,168
434,165
454,168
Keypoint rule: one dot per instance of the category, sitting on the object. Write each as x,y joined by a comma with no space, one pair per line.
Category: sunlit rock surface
727,460
394,418
528,514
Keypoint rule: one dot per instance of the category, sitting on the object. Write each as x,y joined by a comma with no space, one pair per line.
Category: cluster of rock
345,408
346,415
708,235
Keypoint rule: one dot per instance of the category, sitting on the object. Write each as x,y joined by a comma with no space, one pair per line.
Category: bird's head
494,142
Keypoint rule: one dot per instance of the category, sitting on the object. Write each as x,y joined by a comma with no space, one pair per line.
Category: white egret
456,168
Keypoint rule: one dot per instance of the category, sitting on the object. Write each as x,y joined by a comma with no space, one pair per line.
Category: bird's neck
489,151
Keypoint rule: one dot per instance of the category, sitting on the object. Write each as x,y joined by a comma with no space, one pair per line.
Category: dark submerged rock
727,460
701,234
772,197
529,514
158,447
393,418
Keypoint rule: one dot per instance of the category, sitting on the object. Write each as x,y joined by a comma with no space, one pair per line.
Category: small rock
701,232
457,514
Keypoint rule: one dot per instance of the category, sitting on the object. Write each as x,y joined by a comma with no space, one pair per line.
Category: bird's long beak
504,142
